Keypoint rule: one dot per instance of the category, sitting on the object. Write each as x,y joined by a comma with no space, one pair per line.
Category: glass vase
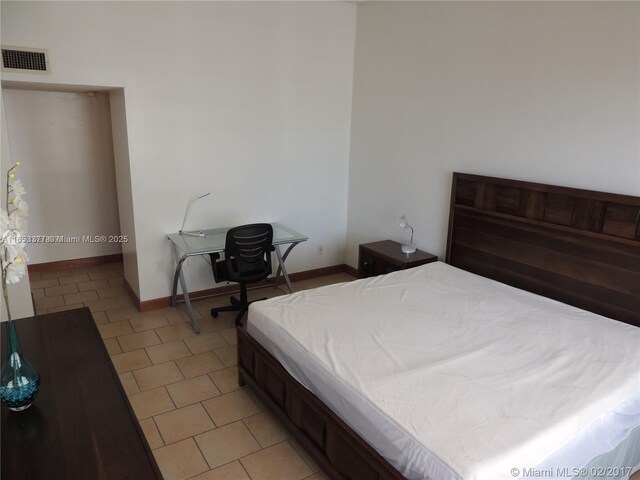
19,380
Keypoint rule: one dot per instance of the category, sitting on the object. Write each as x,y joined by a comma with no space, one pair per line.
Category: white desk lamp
406,247
197,233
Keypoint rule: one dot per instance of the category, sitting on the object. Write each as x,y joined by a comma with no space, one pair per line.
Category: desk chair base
241,306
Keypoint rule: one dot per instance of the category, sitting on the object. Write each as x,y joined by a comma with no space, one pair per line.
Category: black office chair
247,260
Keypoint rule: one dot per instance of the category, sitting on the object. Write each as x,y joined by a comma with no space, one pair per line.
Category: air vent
24,60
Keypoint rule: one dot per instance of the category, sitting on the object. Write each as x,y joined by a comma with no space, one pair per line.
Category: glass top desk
213,241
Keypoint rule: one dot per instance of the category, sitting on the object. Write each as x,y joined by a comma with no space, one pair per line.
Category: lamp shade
403,222
407,246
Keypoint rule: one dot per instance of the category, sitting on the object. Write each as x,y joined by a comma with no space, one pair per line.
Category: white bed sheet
452,375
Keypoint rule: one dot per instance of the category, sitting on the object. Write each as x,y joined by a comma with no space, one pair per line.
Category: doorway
64,143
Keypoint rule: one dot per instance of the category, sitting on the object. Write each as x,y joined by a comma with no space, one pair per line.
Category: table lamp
407,247
198,233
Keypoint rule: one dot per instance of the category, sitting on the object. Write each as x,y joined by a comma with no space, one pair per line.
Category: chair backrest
248,252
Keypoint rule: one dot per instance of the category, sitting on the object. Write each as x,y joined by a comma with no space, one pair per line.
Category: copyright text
71,239
566,472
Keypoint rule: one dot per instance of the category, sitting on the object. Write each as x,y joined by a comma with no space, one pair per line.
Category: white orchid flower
17,222
13,258
18,189
16,259
12,237
6,230
21,206
4,221
16,253
15,271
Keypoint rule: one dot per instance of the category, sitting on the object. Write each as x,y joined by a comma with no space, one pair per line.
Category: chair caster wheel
214,314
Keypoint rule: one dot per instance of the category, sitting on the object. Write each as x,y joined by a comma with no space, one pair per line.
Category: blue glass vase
19,380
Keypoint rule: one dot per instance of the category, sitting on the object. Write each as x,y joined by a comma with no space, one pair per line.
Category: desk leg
281,260
174,294
176,277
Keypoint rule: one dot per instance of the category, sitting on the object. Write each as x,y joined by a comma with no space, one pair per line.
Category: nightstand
377,258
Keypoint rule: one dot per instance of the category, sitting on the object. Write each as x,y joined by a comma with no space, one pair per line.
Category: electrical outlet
320,249
160,266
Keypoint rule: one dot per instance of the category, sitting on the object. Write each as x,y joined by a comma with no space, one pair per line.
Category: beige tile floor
183,387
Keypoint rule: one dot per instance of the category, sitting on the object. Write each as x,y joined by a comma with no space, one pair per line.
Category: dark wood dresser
81,425
378,258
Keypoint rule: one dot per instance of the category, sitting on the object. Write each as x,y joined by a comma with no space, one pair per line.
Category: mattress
449,375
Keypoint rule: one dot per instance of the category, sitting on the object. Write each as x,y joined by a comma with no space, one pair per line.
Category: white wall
539,91
125,198
248,100
64,144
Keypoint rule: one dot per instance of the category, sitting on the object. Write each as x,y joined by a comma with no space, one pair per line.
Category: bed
447,370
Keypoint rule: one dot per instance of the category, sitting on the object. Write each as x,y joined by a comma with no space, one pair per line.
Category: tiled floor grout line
243,468
164,441
153,419
200,448
215,425
251,432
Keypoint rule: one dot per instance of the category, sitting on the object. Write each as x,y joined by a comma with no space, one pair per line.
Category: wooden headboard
577,246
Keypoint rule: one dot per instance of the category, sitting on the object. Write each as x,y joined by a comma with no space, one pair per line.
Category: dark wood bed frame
577,246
